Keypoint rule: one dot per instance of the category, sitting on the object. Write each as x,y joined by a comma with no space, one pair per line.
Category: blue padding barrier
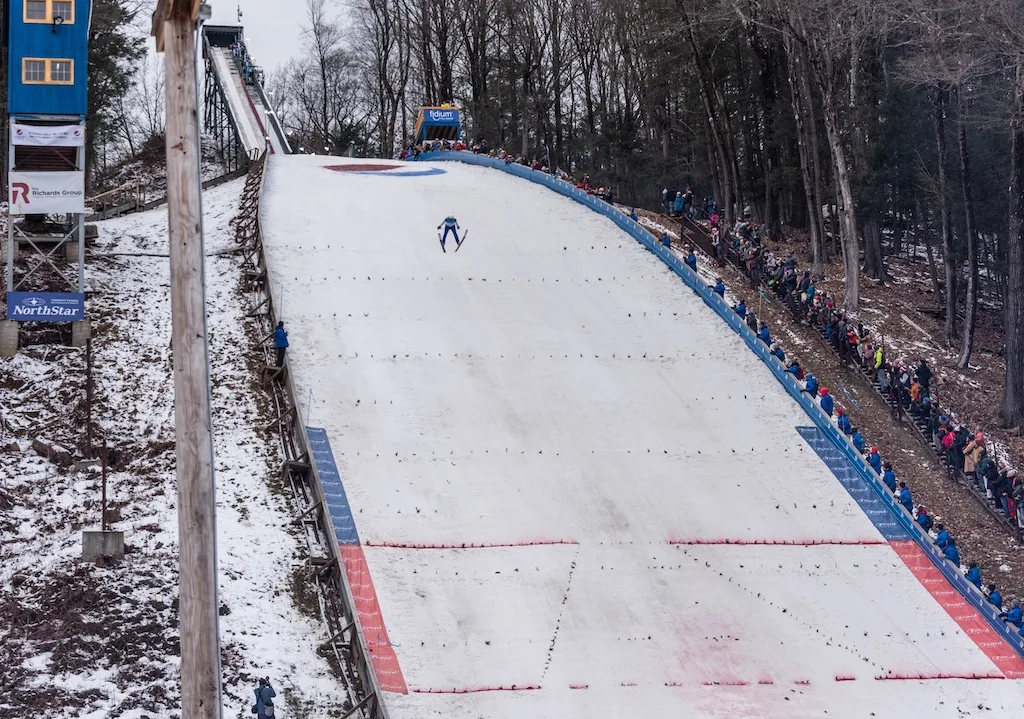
863,493
840,442
334,493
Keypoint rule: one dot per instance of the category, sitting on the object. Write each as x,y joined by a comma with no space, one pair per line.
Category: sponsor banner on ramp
39,193
47,135
45,306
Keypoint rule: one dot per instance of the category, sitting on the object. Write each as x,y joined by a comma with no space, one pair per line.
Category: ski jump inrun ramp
576,492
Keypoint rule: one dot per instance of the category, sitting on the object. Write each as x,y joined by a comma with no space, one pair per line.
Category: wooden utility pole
174,26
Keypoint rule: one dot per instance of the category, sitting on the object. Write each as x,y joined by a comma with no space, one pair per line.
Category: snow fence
821,420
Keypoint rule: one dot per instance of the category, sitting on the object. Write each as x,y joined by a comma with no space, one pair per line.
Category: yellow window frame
48,65
49,13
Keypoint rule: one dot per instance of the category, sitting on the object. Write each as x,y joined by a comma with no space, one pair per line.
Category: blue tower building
48,57
47,44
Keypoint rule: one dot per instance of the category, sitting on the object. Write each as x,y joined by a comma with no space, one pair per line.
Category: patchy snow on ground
82,641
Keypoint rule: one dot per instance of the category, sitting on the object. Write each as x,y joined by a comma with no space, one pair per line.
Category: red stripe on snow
469,545
476,690
963,613
781,542
382,654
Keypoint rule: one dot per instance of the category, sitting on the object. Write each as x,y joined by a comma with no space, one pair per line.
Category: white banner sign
48,135
38,193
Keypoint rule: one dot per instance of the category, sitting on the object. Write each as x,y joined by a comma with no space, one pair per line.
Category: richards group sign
45,306
38,193
47,135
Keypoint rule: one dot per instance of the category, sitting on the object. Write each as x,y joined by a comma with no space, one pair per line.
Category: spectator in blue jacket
943,537
765,334
666,241
632,215
777,351
280,342
843,422
1015,616
858,440
995,597
974,575
264,699
741,309
923,518
677,205
875,460
720,287
905,498
889,477
691,259
951,552
826,401
811,384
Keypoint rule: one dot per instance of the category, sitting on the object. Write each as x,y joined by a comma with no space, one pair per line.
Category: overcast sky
271,26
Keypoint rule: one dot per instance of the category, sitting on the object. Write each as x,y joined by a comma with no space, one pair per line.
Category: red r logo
21,187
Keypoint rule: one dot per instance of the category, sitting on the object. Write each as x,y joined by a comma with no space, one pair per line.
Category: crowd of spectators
243,61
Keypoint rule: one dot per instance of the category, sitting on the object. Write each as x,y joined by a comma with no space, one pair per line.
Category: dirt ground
973,395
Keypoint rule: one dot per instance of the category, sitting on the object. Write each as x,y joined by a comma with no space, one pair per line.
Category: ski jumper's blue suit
450,224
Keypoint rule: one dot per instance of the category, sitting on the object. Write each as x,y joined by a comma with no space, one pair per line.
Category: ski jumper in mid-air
451,225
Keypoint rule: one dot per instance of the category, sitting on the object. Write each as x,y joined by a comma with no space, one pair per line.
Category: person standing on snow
719,287
451,225
943,537
691,259
264,706
280,343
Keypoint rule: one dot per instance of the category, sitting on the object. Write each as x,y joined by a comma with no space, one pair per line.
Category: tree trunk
921,225
1013,394
971,301
797,68
948,255
851,250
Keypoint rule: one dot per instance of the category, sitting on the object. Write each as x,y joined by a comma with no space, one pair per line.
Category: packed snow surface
554,382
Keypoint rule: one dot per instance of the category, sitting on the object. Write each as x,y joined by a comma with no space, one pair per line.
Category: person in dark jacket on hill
951,552
974,575
905,498
875,460
691,259
826,402
811,384
843,422
1015,616
942,538
751,320
741,309
923,518
924,376
889,476
765,334
858,440
280,343
995,597
264,707
719,287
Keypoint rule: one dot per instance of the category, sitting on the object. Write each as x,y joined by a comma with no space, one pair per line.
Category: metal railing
345,638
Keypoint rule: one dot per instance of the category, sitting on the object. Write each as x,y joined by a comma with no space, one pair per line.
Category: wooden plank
200,645
165,9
